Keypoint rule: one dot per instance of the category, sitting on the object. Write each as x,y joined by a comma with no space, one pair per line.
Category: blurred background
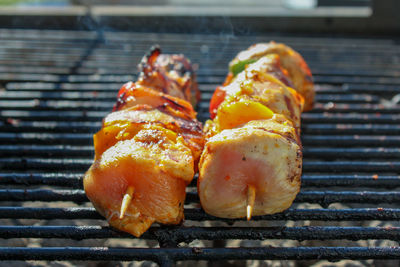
297,3
240,16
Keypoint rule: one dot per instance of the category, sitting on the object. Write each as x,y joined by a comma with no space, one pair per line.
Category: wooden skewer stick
251,196
126,201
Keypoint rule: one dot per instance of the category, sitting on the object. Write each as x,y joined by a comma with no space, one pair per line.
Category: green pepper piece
240,65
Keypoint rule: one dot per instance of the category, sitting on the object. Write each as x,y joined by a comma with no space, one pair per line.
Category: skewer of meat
147,148
251,163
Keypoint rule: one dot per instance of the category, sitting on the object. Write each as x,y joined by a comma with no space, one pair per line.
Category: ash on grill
57,86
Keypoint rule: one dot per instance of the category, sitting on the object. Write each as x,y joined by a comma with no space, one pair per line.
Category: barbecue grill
56,86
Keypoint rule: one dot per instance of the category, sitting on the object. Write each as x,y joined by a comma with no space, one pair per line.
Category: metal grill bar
352,82
308,166
105,86
91,127
60,179
307,140
54,150
46,86
384,214
97,116
310,152
360,129
177,254
105,96
350,140
122,68
94,105
321,197
53,126
309,180
188,234
349,152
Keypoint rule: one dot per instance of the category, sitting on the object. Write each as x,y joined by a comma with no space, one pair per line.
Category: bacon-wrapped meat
252,159
170,74
145,156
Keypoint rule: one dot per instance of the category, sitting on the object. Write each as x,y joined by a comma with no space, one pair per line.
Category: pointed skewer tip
251,196
126,201
249,210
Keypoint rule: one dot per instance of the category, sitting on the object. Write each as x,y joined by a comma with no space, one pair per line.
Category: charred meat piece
170,74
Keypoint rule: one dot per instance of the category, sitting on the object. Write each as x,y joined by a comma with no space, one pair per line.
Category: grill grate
56,86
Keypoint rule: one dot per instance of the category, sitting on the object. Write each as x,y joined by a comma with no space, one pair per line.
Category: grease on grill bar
55,89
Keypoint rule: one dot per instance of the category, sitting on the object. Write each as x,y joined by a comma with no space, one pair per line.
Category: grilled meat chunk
146,153
259,83
251,163
170,74
141,105
297,69
262,154
155,167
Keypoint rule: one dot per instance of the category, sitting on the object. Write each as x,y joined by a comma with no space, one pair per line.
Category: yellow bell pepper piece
230,115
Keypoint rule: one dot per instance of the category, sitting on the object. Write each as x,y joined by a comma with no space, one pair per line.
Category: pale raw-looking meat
252,160
261,153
